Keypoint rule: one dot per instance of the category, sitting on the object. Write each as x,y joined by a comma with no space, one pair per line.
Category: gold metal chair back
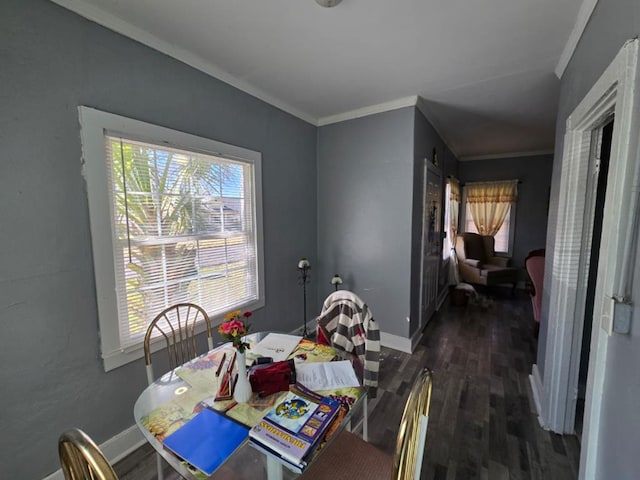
177,326
407,461
81,459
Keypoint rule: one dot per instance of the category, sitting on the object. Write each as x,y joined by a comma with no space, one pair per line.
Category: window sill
118,358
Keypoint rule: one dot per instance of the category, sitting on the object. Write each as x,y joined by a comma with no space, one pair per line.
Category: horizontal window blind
184,231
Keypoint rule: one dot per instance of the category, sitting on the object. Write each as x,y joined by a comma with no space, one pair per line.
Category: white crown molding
370,110
118,25
530,153
584,14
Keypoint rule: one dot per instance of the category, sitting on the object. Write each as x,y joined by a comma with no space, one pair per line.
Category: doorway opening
602,145
555,386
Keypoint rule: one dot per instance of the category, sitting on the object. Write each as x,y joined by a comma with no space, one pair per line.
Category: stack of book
295,427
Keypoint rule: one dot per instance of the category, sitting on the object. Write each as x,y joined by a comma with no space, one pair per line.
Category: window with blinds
174,218
183,231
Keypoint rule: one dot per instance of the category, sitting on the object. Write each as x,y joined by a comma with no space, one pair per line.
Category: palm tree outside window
184,231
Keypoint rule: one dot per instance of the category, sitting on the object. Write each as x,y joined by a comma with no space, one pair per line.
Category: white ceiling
484,69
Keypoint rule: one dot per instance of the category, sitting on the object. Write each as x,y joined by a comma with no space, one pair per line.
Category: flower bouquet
234,328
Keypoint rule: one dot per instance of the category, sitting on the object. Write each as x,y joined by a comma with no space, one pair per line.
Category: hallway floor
483,423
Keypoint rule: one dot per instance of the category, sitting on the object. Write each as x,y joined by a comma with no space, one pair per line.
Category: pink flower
233,328
237,326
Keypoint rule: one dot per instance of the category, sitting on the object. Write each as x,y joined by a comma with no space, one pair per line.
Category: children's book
295,425
201,372
310,352
206,440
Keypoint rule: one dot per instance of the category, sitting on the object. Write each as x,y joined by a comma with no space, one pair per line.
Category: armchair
478,264
534,264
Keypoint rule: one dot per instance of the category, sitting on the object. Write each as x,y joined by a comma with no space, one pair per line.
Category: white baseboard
394,341
538,394
386,339
118,447
57,475
114,449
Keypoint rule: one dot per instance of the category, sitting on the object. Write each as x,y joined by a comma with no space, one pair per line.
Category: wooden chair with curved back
177,326
81,459
348,456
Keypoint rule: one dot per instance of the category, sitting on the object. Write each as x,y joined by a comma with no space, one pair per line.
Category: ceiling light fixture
328,3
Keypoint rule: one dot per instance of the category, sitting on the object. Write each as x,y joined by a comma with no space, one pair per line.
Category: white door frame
584,269
614,93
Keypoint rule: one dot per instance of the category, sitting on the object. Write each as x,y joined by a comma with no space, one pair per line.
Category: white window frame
93,126
512,222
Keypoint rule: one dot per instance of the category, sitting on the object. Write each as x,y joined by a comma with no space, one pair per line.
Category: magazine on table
277,346
295,426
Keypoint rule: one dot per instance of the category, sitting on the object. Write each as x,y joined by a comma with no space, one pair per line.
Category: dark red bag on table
272,377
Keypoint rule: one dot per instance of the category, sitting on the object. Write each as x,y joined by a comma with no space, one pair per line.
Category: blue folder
207,440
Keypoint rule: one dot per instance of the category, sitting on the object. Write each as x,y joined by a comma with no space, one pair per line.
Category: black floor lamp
336,281
304,267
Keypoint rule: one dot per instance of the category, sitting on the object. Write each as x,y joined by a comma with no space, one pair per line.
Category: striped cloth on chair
347,322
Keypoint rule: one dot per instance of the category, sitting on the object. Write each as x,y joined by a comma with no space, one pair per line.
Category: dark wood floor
483,423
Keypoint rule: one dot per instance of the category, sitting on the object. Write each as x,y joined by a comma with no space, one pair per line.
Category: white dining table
246,462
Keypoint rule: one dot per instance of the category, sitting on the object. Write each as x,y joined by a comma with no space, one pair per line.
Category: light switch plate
622,313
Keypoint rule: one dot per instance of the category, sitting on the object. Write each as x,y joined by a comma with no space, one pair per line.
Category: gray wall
52,61
425,140
612,23
533,196
365,188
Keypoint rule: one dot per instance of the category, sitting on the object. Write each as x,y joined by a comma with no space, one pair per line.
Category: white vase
242,389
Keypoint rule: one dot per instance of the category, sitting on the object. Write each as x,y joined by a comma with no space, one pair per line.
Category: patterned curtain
489,203
453,189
